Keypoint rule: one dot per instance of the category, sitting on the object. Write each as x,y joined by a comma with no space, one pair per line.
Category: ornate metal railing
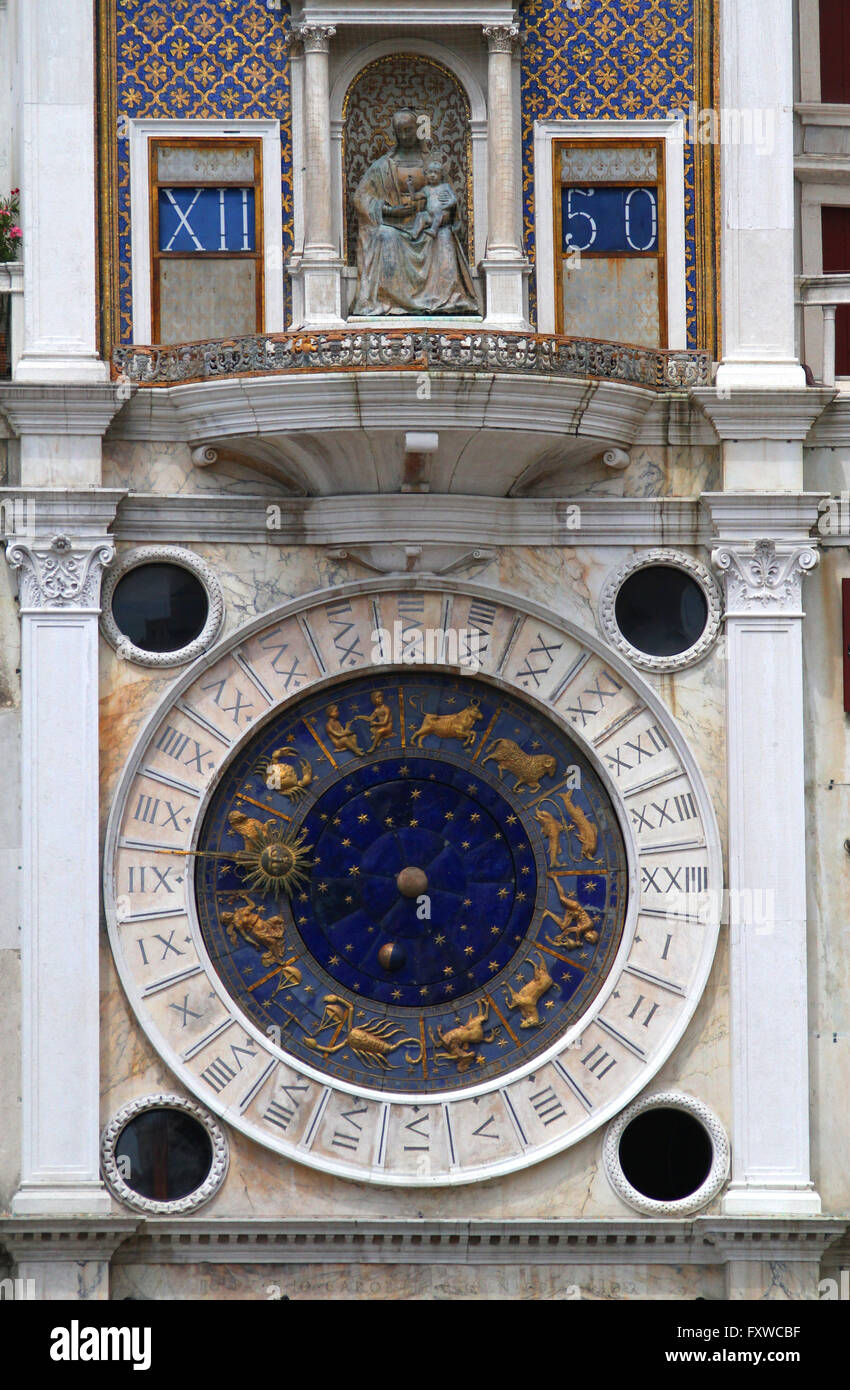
453,350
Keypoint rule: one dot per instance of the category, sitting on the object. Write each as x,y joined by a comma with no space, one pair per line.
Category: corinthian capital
502,38
764,578
59,573
316,38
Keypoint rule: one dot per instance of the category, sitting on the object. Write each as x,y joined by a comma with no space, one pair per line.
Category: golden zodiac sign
279,777
448,725
371,1042
527,998
457,1044
576,925
380,721
259,931
340,735
527,768
554,827
274,860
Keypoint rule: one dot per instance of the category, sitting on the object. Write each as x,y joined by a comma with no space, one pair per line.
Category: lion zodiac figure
528,997
528,769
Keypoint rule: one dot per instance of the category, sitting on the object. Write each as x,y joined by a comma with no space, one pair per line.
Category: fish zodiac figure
528,997
457,1044
371,1042
457,725
280,777
577,823
528,768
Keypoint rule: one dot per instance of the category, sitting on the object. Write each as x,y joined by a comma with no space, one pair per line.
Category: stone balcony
506,414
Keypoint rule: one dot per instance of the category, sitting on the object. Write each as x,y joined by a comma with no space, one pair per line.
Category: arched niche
444,66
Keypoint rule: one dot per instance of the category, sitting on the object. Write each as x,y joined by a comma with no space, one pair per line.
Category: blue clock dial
416,882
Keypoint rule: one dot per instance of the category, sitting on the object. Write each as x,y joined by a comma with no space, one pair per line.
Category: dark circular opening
666,1154
164,1154
661,610
160,607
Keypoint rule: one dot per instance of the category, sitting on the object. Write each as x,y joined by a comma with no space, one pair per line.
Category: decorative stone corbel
415,559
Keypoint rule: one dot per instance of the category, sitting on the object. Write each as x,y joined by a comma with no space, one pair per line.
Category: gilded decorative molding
765,578
60,573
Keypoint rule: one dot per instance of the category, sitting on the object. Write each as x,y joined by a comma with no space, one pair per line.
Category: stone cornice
405,12
411,519
753,414
742,517
703,1241
35,1238
72,410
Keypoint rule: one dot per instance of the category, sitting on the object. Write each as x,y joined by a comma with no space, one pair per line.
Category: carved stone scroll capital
764,578
59,572
316,38
503,38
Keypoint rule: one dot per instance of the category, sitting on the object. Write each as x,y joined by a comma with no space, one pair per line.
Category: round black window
164,1154
666,1154
160,607
661,610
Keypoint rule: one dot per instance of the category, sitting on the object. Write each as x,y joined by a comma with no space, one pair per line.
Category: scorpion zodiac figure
459,1044
371,1042
280,777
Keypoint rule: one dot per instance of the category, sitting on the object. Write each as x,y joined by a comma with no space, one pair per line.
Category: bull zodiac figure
371,1042
459,1044
528,768
457,726
280,777
576,925
528,997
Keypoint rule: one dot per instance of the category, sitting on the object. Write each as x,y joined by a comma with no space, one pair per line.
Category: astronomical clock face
407,924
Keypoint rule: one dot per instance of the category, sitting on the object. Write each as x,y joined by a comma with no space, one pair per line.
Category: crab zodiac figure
280,777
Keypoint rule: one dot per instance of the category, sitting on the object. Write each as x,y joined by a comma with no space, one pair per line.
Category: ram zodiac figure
528,768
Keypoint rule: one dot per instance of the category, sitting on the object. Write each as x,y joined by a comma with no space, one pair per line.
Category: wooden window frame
660,255
255,144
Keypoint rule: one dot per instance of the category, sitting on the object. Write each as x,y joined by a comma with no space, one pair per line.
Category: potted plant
10,241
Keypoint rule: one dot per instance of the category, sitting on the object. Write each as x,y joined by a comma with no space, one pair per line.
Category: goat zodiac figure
528,997
458,1044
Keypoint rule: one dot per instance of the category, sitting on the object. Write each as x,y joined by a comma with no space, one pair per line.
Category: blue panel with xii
206,219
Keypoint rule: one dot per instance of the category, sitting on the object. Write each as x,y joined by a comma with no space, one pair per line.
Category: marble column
55,85
763,553
757,84
505,268
59,576
321,266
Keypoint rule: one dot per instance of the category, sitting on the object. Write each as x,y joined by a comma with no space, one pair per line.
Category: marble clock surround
578,1169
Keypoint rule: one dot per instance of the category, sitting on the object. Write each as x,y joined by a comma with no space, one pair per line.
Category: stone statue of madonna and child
409,256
